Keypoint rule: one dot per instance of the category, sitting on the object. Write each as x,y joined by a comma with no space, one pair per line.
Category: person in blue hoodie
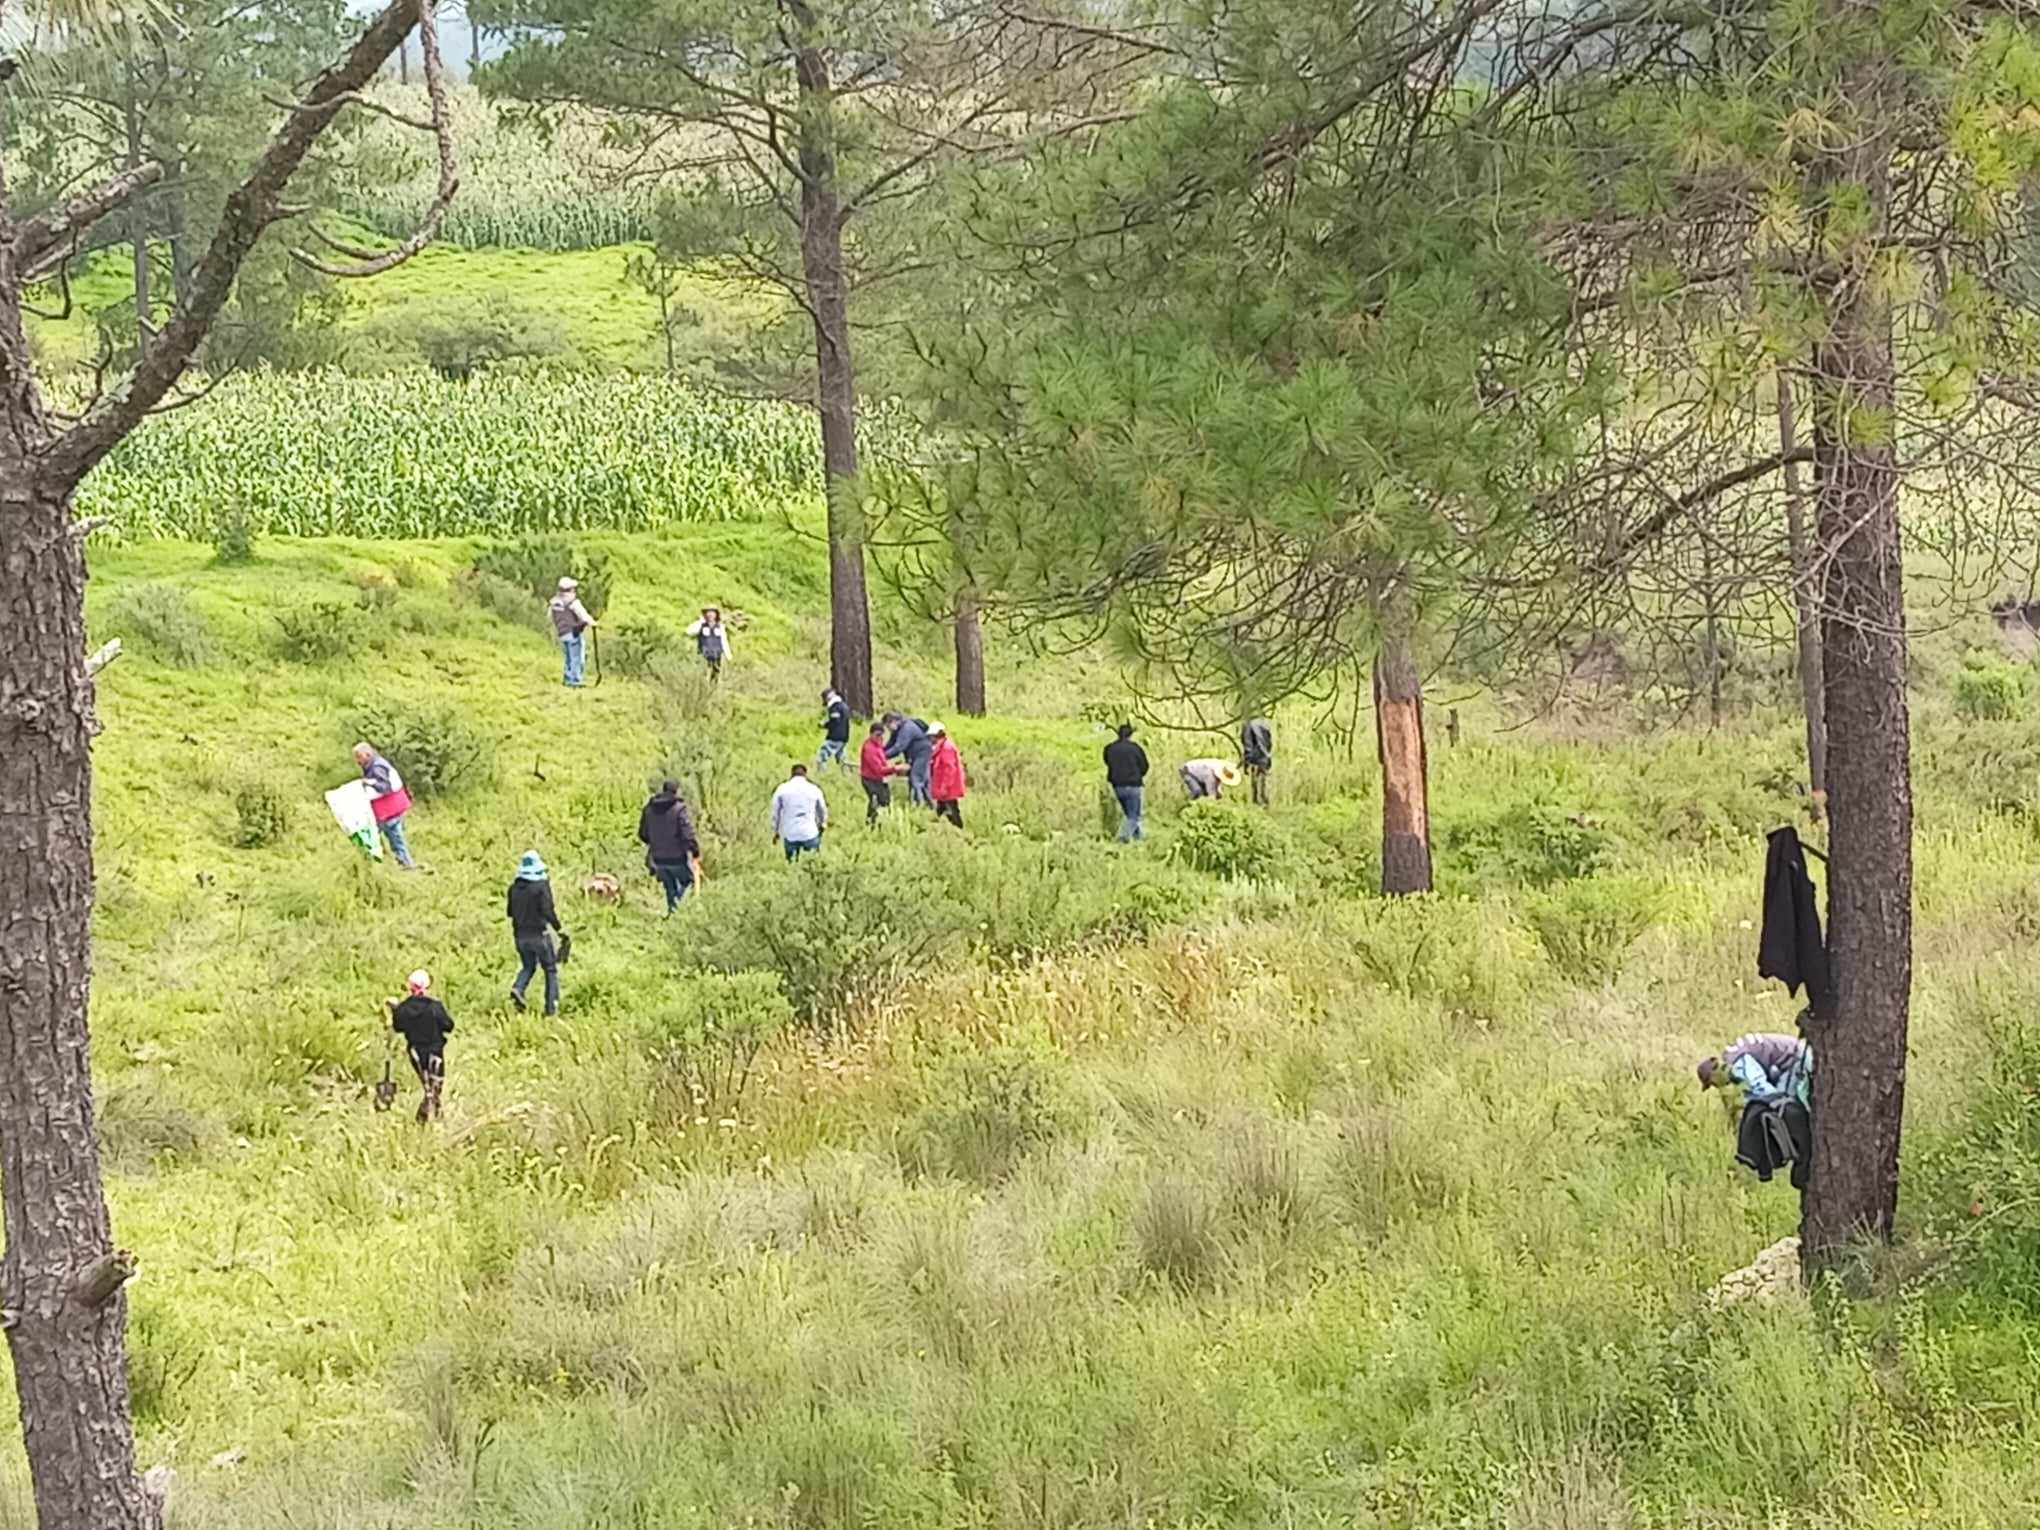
909,740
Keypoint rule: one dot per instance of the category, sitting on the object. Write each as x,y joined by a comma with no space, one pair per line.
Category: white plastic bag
352,810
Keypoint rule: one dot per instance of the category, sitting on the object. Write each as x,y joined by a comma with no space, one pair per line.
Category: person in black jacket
1257,753
670,845
424,1024
532,923
835,732
1126,768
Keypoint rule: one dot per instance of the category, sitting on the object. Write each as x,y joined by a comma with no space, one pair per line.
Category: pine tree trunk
1405,789
1859,1037
1806,604
970,657
821,253
70,1370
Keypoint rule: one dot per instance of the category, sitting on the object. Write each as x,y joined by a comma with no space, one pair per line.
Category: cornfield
414,455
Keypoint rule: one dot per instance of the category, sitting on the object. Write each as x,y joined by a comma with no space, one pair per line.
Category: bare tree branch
46,240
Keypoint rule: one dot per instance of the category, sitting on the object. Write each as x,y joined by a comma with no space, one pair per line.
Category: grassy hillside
1100,1189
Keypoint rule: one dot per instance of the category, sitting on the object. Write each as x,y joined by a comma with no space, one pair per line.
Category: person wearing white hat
711,640
571,622
424,1024
1208,778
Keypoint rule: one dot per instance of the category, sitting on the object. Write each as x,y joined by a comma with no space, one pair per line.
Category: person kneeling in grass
424,1024
799,814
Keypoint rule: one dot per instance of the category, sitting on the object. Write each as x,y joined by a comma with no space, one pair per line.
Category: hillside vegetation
1078,1185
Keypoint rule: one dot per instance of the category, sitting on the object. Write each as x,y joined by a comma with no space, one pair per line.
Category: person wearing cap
799,814
909,741
945,775
671,849
387,800
424,1024
875,773
711,640
1208,778
571,621
835,731
533,922
1126,768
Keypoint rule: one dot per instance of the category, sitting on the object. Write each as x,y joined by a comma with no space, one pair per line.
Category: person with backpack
946,781
875,772
572,623
711,640
667,832
388,801
1126,768
835,731
1257,754
424,1024
909,741
533,922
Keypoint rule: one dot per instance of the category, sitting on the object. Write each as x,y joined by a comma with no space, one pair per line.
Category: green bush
262,815
1587,927
708,1040
1528,846
317,632
536,564
637,649
433,746
1989,691
1465,955
159,620
1229,839
233,534
986,1110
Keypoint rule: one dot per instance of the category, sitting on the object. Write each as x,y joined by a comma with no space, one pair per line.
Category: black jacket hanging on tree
1790,948
1774,1134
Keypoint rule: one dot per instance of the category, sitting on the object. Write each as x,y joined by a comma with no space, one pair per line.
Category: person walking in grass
671,849
799,814
835,731
1208,778
875,773
424,1024
387,800
909,741
533,923
1126,768
946,781
572,623
711,640
1257,754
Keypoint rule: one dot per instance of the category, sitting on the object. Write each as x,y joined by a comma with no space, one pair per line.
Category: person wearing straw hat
533,922
711,640
572,622
1208,778
424,1024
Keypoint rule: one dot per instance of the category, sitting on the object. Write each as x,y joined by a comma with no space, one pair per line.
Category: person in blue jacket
909,740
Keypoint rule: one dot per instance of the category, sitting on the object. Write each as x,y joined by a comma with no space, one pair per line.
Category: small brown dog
602,887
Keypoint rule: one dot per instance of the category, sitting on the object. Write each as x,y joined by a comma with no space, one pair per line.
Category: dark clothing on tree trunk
1790,947
1773,1134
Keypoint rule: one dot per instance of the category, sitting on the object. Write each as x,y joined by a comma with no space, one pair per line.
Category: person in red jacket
876,771
945,776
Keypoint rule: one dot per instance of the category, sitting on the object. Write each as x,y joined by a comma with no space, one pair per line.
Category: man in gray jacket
571,622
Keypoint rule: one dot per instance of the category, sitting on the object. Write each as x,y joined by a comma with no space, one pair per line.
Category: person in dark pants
875,771
1257,753
711,640
670,846
532,924
1126,768
424,1024
835,731
946,778
910,742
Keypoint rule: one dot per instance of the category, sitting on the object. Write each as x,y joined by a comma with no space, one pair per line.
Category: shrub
433,746
1176,1233
159,620
376,593
1465,955
709,1039
317,632
233,534
1587,927
503,600
536,564
986,1110
1530,846
262,815
1228,839
1989,692
635,649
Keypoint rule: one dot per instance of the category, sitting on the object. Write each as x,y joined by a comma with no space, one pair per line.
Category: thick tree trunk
1806,604
970,657
1859,1035
821,254
1405,786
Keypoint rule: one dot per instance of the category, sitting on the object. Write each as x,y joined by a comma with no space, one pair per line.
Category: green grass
1301,1210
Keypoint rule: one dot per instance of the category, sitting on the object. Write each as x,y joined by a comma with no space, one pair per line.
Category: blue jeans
918,771
832,749
393,831
796,848
532,955
571,644
1129,804
676,877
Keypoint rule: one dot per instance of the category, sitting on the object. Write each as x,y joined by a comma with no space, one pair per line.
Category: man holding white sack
388,801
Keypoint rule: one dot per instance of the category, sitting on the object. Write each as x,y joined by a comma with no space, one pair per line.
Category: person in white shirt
799,814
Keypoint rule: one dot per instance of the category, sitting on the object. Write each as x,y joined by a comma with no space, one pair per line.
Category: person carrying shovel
424,1024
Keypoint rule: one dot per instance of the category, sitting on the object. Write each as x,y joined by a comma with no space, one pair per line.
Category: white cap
419,981
570,584
936,730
